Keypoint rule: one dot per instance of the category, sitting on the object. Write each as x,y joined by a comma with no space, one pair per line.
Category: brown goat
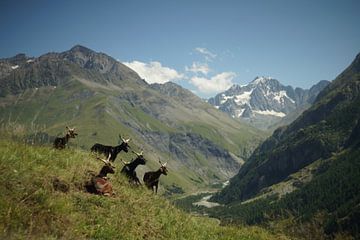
100,184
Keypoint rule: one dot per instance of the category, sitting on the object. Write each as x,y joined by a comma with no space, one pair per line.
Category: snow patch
14,67
240,112
259,80
225,98
281,95
30,61
270,112
243,98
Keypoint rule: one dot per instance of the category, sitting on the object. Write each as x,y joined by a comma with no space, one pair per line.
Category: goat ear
67,127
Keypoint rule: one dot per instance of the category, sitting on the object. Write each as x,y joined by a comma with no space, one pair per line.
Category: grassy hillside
32,206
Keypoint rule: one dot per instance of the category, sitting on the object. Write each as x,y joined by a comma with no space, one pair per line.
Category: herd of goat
100,184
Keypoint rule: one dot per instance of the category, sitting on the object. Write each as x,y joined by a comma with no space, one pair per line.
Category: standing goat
113,151
151,179
60,142
100,184
129,168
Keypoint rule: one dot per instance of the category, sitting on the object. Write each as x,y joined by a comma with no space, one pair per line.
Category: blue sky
204,46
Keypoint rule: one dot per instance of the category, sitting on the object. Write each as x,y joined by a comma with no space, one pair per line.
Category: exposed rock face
264,98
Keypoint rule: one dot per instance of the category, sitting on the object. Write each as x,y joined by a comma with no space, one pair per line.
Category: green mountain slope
103,98
43,198
309,167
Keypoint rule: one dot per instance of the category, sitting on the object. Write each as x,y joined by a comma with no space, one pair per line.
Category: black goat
151,179
129,168
100,184
60,142
113,151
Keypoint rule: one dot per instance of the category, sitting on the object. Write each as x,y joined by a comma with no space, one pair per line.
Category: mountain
310,168
265,101
103,98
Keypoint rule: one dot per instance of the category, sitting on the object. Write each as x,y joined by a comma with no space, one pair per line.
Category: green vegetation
33,207
333,194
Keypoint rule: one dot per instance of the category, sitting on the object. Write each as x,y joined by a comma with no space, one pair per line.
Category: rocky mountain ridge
265,101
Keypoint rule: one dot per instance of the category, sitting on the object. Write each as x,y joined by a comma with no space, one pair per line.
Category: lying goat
113,151
100,184
129,168
60,142
151,179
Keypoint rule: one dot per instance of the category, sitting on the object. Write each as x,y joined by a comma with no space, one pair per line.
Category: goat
151,179
100,184
129,168
60,142
113,151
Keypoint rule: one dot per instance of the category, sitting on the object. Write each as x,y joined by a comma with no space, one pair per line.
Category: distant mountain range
104,98
308,170
265,101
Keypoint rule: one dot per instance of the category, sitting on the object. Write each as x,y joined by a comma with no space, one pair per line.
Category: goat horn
138,154
127,140
164,165
103,160
108,159
121,138
125,163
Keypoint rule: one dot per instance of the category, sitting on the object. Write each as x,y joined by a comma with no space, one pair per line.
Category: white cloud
217,83
154,72
207,54
197,67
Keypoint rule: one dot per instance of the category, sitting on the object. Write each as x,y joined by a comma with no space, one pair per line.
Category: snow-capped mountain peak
262,97
259,80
